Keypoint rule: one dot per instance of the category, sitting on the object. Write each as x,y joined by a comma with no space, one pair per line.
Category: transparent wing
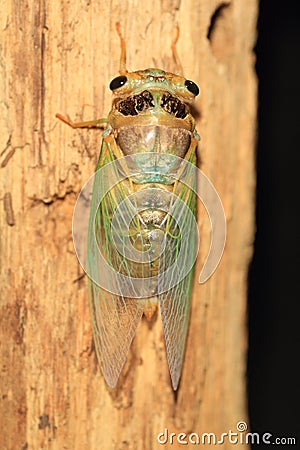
175,303
114,321
175,312
114,317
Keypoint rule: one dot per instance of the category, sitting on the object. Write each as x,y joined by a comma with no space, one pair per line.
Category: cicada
142,242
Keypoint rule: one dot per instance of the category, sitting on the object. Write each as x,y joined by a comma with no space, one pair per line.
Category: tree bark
60,57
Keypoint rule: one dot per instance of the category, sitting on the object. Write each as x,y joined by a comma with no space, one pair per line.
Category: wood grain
60,57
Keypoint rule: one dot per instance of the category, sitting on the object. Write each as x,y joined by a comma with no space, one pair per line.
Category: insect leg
88,124
123,50
176,58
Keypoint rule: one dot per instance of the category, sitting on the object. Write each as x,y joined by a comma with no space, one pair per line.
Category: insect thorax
135,104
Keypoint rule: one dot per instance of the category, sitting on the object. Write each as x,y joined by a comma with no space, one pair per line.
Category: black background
274,350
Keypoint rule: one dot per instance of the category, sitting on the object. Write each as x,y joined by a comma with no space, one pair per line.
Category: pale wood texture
60,57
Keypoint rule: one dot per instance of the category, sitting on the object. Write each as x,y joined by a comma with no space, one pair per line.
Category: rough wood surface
60,57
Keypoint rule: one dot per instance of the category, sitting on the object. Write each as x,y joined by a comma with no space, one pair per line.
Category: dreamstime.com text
240,436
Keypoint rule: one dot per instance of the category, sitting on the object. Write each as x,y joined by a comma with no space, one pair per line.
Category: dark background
274,277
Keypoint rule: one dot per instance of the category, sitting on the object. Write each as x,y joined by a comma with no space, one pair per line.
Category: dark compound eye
192,87
117,82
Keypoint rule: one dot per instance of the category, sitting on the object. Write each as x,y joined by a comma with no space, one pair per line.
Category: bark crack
218,13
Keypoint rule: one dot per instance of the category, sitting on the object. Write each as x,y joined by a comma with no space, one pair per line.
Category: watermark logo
104,202
233,437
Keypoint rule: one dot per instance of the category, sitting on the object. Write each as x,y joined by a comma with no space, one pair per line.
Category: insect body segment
142,214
